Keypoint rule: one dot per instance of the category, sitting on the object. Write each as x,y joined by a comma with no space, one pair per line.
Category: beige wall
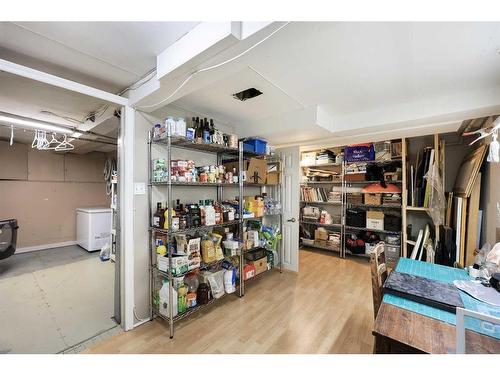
42,189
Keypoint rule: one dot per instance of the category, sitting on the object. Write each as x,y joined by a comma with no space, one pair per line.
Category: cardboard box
373,198
375,220
320,243
257,171
273,178
355,177
260,265
332,245
180,264
235,165
321,234
308,158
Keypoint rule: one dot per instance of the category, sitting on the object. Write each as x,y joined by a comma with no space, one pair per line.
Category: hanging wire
213,67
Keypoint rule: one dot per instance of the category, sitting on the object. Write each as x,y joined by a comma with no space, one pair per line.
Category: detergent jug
164,299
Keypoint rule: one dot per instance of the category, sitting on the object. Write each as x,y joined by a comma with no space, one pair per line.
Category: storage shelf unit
167,144
345,188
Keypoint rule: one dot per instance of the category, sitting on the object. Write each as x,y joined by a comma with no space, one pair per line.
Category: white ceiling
106,55
29,98
362,75
359,76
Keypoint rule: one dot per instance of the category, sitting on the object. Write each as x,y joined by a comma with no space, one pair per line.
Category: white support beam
50,79
126,183
201,43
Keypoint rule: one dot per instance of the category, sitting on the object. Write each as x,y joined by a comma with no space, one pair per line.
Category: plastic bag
216,282
105,252
437,200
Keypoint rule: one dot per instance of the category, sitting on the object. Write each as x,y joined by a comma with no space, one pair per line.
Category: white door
290,201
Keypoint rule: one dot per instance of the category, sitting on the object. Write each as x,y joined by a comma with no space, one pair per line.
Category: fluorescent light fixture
24,122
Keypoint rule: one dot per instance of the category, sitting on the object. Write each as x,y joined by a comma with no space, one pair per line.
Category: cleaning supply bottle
161,249
230,280
175,219
164,299
182,298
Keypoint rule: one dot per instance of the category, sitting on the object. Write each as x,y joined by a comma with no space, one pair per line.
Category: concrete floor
54,299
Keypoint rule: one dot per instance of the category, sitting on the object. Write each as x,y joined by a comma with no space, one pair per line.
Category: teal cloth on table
448,275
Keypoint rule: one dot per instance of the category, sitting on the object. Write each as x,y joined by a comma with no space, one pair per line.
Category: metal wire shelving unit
222,153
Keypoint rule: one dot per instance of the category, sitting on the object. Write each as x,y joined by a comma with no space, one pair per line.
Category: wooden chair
379,274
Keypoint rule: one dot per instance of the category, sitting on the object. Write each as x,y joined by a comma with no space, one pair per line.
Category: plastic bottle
209,214
229,281
164,299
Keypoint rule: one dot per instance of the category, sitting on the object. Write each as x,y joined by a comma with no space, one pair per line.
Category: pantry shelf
182,142
223,155
319,224
305,183
189,311
348,227
256,277
323,203
197,184
387,206
332,249
348,252
372,182
194,229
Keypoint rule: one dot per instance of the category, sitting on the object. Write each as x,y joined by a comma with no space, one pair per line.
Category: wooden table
397,330
400,330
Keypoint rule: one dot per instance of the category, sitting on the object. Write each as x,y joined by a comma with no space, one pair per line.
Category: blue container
255,145
248,147
362,152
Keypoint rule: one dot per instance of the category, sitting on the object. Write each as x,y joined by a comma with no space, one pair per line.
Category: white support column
126,181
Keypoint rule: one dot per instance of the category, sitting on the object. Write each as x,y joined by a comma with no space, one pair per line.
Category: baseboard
28,249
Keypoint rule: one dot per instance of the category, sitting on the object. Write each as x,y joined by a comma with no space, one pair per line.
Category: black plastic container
356,218
8,238
392,223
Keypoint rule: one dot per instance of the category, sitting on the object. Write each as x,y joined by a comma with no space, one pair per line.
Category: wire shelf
194,229
349,227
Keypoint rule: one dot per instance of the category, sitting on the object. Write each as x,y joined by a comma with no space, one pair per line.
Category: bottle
202,212
206,131
164,300
235,176
218,214
198,131
175,219
182,298
158,217
161,249
211,130
209,213
175,216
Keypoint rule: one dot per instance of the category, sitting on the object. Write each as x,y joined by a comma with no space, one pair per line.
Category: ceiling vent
247,94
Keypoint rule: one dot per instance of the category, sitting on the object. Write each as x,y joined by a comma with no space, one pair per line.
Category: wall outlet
139,188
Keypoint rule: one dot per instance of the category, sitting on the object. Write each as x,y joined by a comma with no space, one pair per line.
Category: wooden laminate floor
326,308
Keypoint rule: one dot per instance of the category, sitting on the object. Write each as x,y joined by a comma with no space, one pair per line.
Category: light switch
139,188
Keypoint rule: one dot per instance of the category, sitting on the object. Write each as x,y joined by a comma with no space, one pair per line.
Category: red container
248,271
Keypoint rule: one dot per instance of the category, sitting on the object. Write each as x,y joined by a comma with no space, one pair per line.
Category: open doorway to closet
59,188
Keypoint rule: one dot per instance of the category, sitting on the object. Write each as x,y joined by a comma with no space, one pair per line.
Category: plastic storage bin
255,145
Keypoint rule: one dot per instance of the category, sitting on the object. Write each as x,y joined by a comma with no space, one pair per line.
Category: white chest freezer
93,227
